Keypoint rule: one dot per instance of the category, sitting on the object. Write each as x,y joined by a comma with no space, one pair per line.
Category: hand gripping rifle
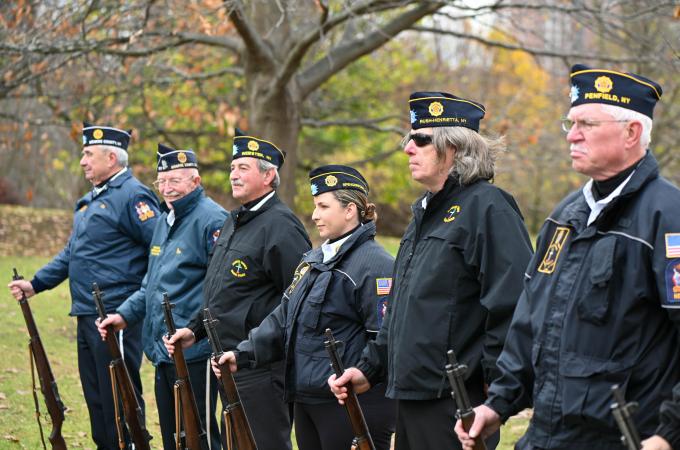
362,437
121,383
623,413
239,434
48,384
464,412
185,403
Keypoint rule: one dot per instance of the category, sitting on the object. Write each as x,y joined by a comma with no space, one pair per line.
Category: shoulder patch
383,286
382,310
300,272
672,277
143,211
672,245
215,235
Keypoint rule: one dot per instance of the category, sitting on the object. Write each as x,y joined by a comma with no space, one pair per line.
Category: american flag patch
672,245
383,285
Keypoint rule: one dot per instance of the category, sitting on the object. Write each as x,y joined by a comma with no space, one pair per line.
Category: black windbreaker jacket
252,262
457,278
601,306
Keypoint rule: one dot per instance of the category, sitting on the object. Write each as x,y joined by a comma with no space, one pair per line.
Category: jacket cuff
370,372
502,407
670,433
243,360
38,285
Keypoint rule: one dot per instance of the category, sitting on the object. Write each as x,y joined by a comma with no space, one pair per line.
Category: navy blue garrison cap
440,109
171,159
101,135
333,177
245,145
610,87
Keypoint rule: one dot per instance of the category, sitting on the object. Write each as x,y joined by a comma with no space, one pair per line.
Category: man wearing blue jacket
109,244
178,259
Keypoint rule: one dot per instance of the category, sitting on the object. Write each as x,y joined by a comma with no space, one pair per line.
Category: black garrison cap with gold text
171,159
245,145
610,87
101,135
440,109
334,176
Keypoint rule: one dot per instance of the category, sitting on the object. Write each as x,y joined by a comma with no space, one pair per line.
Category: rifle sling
35,394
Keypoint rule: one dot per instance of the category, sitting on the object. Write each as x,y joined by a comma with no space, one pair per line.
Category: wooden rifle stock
456,373
362,436
134,418
238,428
48,385
623,414
194,434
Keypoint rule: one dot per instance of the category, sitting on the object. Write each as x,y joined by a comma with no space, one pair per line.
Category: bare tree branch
370,124
531,51
255,45
342,55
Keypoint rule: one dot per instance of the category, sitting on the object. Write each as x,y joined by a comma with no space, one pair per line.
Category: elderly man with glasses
178,260
457,275
601,302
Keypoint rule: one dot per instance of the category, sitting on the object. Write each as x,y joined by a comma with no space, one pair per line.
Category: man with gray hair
457,275
252,263
109,244
601,300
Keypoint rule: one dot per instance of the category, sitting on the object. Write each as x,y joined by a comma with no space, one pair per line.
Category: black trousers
326,426
428,424
93,364
164,385
261,392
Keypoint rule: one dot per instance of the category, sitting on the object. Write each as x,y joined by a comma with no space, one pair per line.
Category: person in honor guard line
178,260
342,285
667,435
457,276
109,244
253,261
601,304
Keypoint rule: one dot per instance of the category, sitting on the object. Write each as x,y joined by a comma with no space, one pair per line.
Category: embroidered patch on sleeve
382,310
672,245
216,235
672,277
383,286
143,211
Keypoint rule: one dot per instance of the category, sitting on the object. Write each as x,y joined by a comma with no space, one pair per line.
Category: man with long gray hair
457,275
109,244
253,262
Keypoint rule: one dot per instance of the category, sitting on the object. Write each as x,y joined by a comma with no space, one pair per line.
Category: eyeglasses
172,182
420,139
585,124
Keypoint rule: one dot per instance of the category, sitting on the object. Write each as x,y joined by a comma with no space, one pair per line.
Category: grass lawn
18,428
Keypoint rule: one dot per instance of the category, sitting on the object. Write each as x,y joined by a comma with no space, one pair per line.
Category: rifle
464,412
239,434
362,437
48,385
623,413
194,434
120,381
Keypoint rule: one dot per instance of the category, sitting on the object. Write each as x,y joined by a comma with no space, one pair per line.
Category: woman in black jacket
342,285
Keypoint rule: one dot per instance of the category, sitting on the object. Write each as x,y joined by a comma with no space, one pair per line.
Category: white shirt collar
330,250
171,217
596,207
262,202
99,190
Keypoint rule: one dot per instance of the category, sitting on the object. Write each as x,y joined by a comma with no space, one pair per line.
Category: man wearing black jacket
457,275
601,303
253,261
